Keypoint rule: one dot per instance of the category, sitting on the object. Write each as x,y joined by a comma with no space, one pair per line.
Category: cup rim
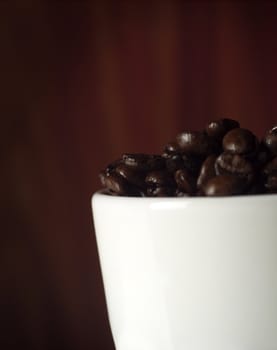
187,199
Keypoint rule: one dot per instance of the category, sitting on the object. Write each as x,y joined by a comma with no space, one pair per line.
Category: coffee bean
192,163
240,141
131,175
136,160
270,167
263,156
218,128
172,148
102,177
256,188
174,162
160,191
224,159
185,182
224,185
143,162
117,184
270,141
207,170
271,183
159,178
234,164
194,143
111,166
180,193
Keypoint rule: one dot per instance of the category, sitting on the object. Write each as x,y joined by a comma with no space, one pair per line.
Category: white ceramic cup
189,273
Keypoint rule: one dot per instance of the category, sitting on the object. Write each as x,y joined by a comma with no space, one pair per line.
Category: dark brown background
80,84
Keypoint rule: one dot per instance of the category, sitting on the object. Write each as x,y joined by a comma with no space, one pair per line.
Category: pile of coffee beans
222,160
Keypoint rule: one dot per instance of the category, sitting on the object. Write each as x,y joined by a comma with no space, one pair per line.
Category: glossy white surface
189,273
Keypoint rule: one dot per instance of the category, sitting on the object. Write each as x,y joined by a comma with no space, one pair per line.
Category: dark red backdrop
81,84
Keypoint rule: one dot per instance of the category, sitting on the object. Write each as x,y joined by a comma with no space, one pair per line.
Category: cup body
189,273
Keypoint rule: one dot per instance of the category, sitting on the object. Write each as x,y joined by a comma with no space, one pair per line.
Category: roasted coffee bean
270,167
263,156
117,184
207,170
271,183
270,141
111,167
156,162
185,182
102,177
131,175
172,147
219,128
174,162
234,164
182,161
224,185
224,159
240,141
195,143
160,191
159,178
180,193
256,188
192,163
143,162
